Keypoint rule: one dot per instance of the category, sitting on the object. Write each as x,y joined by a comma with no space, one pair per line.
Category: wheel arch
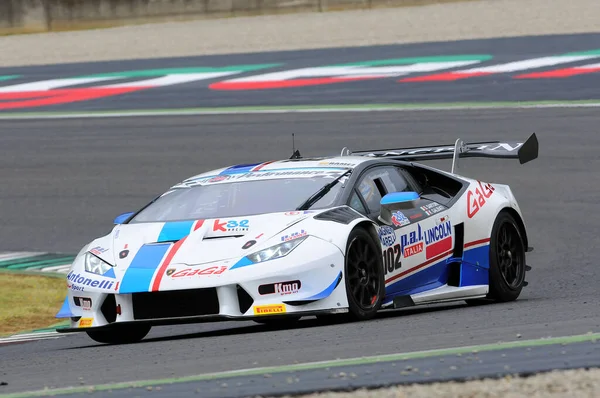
369,226
520,223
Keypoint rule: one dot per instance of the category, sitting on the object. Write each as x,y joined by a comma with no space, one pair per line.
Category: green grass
29,302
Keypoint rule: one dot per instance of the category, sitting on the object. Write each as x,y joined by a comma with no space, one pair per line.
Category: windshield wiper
321,192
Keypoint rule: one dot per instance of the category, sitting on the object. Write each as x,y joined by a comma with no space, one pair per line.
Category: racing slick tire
365,283
507,261
120,335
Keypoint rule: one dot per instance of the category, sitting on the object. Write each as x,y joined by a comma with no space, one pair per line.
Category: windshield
235,199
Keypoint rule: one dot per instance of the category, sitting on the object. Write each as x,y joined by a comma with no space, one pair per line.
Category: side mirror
393,203
122,218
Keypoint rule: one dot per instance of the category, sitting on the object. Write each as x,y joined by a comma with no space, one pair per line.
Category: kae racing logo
231,226
281,288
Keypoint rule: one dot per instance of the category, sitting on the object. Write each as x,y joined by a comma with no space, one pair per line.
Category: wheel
507,261
287,321
120,335
365,284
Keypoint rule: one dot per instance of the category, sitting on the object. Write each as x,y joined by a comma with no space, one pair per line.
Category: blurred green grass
29,302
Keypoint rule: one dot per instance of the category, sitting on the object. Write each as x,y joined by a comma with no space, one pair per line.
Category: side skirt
441,294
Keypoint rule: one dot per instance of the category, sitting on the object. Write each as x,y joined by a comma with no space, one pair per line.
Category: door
414,247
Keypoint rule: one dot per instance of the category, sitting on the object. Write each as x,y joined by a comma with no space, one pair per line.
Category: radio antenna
295,153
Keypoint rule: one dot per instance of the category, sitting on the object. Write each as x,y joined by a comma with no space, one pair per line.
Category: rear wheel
507,261
365,284
120,335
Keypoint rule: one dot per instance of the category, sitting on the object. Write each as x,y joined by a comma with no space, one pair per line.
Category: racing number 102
391,259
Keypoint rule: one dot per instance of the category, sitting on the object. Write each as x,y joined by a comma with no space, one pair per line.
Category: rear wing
524,151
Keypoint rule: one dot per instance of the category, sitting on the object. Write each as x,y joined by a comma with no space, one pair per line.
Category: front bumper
287,286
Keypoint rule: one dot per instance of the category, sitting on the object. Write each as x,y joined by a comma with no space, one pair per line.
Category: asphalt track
475,362
65,180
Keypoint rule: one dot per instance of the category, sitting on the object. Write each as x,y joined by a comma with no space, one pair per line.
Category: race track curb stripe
391,107
24,338
590,337
36,334
39,262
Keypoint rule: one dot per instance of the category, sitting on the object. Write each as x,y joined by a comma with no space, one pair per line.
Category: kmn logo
282,288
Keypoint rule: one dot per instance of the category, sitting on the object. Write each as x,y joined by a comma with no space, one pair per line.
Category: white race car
275,241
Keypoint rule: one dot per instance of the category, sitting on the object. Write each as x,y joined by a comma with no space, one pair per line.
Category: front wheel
120,335
365,283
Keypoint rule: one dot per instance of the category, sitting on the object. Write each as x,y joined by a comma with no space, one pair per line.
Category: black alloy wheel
365,284
510,260
507,259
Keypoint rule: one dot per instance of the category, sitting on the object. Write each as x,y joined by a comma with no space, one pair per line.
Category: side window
375,184
356,204
371,188
394,180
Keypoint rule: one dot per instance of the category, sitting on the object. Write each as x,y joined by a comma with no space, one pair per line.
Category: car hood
194,242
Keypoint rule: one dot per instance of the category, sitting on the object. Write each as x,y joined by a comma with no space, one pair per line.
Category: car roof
288,168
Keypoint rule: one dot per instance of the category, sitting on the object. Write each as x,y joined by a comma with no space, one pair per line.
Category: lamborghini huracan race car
275,241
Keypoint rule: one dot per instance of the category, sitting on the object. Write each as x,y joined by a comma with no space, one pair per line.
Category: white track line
22,338
56,268
83,115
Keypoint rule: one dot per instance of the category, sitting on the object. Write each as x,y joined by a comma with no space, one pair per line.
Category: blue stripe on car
175,230
242,263
240,168
143,266
328,290
65,310
110,274
436,275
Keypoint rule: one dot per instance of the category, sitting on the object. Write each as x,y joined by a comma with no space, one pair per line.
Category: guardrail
35,15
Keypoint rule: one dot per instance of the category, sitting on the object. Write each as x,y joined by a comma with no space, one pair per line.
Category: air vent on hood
342,215
222,237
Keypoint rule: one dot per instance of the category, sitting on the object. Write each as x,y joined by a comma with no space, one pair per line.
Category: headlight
95,265
277,251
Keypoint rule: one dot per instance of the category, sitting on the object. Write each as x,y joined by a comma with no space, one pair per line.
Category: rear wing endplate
524,151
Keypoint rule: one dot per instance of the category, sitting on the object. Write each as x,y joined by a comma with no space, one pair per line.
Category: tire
120,335
507,260
365,283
